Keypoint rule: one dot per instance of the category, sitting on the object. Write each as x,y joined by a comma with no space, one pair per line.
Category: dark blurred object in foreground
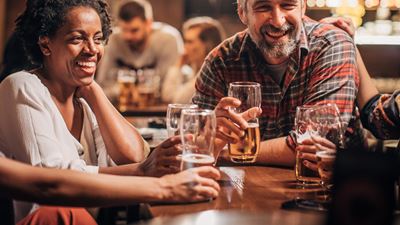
364,191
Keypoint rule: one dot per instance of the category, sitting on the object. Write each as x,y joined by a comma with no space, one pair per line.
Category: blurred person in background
56,115
138,44
201,35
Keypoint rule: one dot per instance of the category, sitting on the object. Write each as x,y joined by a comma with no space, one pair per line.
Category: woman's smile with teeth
86,64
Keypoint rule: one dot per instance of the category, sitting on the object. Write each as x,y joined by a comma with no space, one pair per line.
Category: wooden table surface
249,189
236,217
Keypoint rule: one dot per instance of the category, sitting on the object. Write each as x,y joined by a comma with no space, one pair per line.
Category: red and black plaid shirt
321,70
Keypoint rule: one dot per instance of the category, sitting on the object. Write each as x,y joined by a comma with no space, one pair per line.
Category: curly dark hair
45,17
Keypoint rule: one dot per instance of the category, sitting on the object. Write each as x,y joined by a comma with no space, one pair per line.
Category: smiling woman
57,116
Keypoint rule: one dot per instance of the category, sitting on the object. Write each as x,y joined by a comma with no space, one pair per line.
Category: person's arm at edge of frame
72,188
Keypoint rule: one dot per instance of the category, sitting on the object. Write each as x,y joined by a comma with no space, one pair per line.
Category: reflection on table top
235,217
249,189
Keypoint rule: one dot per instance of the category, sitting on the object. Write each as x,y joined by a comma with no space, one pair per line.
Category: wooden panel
381,60
2,28
170,11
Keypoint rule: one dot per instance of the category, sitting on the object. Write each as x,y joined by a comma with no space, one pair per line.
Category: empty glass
197,128
246,150
174,116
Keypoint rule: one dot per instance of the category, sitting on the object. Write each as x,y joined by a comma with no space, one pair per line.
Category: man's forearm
276,152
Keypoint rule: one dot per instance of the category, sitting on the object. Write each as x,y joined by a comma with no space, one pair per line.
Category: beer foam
326,154
253,125
126,79
198,158
302,137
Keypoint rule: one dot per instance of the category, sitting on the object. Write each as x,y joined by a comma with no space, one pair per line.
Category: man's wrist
291,141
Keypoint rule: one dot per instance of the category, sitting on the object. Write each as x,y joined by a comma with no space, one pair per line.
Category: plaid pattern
322,70
381,115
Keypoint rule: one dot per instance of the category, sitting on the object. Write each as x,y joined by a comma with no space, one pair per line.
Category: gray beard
277,50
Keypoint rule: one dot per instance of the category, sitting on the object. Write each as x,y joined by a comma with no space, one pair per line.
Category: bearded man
296,60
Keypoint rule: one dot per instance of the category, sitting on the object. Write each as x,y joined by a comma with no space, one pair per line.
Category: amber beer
192,160
325,161
126,88
246,150
303,173
146,96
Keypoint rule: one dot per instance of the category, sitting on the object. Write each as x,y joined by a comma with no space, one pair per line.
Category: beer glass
246,150
197,130
326,122
148,84
174,115
303,174
126,82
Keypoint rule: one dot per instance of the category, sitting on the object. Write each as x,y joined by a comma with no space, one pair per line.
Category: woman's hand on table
196,184
164,159
309,148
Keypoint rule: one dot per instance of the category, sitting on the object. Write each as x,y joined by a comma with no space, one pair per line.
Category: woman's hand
196,184
343,23
86,91
309,147
164,159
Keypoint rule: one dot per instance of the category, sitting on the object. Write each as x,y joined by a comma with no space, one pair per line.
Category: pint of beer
303,173
146,96
126,83
322,121
325,161
247,148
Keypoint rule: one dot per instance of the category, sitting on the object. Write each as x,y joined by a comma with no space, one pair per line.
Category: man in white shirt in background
138,44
